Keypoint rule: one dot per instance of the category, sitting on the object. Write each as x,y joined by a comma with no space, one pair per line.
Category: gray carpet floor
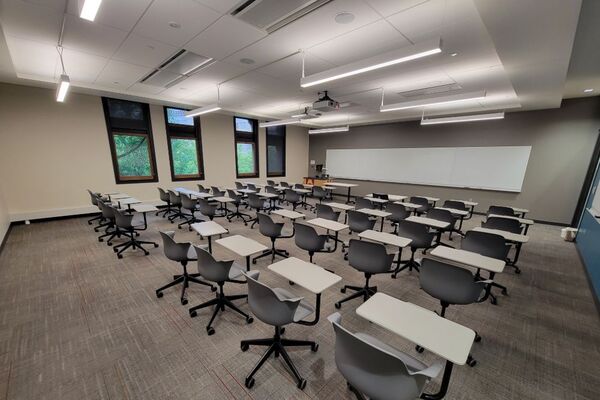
77,323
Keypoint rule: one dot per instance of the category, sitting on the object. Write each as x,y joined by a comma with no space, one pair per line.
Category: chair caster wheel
505,292
184,302
282,331
419,349
343,290
244,347
314,347
494,301
291,283
146,253
155,245
338,305
302,384
115,249
193,314
159,294
517,271
210,331
249,320
249,383
101,240
119,256
253,261
345,257
477,338
471,363
213,289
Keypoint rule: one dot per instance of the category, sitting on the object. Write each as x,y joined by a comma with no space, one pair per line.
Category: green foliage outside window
245,158
185,156
133,157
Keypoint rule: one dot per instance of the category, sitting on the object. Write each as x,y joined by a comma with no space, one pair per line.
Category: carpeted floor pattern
77,323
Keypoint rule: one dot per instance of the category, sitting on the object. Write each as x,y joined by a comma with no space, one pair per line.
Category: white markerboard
489,168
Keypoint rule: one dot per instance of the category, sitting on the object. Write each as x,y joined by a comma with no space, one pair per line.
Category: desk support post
445,382
317,313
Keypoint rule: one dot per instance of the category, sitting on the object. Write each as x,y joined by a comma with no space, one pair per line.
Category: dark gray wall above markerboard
562,142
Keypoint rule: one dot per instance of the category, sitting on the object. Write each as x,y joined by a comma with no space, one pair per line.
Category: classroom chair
165,198
191,206
421,239
399,213
273,231
176,203
326,212
423,202
363,202
444,216
501,210
258,204
202,189
125,225
292,198
503,224
308,239
237,202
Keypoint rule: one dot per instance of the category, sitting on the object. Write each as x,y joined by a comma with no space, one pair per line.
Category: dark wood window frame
246,137
116,130
175,131
276,173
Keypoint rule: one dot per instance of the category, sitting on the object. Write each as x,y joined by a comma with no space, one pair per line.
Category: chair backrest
122,219
202,189
298,186
211,269
419,233
307,238
291,196
271,189
187,202
486,244
363,202
239,185
174,197
455,204
174,251
503,224
93,197
164,196
374,370
253,187
270,182
267,226
326,212
441,215
425,206
233,195
448,283
107,210
501,210
255,201
399,212
369,257
217,192
266,305
383,196
206,208
284,184
359,222
319,192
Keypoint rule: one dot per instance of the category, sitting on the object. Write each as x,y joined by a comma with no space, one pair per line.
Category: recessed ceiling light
247,61
344,17
588,90
174,25
453,54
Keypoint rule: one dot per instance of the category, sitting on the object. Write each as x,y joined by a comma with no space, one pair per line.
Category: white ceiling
517,51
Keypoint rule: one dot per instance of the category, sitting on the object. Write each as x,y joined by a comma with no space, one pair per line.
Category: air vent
436,89
270,15
177,68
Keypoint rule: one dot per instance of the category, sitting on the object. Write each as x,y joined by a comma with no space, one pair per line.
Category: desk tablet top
288,214
310,276
341,184
391,197
408,205
434,223
454,211
523,221
246,191
267,195
467,202
129,200
208,228
469,258
327,224
144,208
376,213
223,199
385,237
241,245
340,206
513,237
118,196
441,336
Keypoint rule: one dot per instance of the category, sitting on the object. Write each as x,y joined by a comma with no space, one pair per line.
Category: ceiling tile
121,75
389,7
290,68
81,67
30,21
364,42
191,16
143,51
32,58
221,6
91,37
117,13
224,37
143,89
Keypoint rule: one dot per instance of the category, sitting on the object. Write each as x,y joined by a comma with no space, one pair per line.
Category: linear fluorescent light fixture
332,129
462,118
453,98
280,122
393,57
89,9
63,88
203,110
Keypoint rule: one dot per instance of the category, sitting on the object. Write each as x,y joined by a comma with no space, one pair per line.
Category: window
246,147
276,151
185,145
130,139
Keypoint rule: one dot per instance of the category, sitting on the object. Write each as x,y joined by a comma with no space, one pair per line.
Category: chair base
177,214
185,279
98,217
189,220
276,346
360,291
272,252
220,302
132,242
239,215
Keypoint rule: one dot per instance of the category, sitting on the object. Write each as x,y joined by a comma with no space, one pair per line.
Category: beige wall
562,142
4,217
51,152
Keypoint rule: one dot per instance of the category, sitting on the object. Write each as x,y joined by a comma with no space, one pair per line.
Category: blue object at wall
588,240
